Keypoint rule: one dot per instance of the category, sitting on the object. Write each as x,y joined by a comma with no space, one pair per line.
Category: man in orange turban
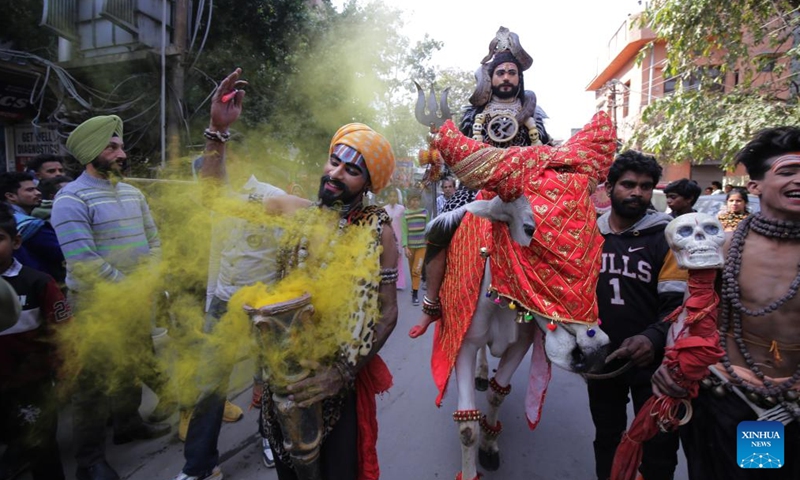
359,160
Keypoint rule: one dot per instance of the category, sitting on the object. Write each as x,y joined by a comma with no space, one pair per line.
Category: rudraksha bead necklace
731,307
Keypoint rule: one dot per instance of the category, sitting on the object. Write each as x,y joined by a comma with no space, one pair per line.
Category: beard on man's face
504,94
631,208
328,198
107,168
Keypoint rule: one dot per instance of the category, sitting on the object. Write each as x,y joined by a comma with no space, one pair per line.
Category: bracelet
216,136
346,372
389,275
429,307
255,197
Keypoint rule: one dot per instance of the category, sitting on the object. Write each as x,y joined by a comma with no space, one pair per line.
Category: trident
431,156
431,119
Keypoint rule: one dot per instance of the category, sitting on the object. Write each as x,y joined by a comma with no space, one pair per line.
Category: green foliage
461,84
741,39
264,38
700,126
18,21
356,68
310,70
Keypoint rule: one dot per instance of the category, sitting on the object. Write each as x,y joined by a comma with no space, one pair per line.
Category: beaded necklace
732,308
731,220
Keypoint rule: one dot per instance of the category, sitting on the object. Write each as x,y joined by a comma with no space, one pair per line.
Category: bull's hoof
489,460
481,384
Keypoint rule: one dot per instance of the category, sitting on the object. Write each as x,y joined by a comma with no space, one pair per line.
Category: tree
357,70
736,69
461,84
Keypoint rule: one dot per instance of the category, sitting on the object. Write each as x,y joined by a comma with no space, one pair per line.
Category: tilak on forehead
786,160
348,154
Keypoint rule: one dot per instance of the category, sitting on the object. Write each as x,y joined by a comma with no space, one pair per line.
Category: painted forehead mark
348,154
786,160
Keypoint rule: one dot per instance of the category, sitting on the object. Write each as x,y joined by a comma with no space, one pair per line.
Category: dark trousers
29,424
339,452
99,393
92,406
201,453
709,441
608,400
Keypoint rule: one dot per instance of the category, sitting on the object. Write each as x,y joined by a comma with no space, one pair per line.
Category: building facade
630,76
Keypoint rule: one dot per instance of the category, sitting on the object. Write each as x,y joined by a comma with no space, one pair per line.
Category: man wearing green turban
106,231
91,137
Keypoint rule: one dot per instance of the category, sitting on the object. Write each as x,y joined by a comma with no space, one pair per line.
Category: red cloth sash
374,378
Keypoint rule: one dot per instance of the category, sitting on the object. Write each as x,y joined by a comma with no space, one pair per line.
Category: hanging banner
30,141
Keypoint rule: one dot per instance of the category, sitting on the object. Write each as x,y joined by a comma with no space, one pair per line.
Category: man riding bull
501,113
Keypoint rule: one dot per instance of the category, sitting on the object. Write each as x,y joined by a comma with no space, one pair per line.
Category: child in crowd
414,221
28,406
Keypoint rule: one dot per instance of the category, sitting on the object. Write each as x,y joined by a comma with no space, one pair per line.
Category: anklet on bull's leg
466,415
488,430
496,388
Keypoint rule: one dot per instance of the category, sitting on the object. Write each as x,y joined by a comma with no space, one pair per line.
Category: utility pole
611,86
175,90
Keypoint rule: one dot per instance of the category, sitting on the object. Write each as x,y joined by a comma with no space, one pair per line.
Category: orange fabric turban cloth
373,147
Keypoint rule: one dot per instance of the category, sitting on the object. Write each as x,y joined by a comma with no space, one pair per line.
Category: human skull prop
696,240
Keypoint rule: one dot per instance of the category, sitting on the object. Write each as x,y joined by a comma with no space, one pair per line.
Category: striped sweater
104,230
414,228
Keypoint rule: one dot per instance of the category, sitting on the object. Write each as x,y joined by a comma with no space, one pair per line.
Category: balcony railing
121,13
61,17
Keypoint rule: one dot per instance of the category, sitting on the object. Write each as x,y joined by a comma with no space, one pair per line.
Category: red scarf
374,378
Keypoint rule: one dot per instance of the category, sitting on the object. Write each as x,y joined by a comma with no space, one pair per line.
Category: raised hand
226,103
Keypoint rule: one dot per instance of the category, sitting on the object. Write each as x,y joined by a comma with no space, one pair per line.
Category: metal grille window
61,17
121,13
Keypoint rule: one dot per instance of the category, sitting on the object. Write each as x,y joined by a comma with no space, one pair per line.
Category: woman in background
395,210
736,203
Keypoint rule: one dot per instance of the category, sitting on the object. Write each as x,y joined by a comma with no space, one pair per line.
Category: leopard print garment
462,197
363,335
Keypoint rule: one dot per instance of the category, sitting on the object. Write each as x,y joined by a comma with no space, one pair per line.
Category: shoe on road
183,425
215,474
232,413
266,454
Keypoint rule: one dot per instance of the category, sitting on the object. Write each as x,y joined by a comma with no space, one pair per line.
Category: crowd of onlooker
683,194
32,263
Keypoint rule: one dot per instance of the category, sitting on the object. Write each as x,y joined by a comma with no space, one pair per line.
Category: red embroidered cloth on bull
556,275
